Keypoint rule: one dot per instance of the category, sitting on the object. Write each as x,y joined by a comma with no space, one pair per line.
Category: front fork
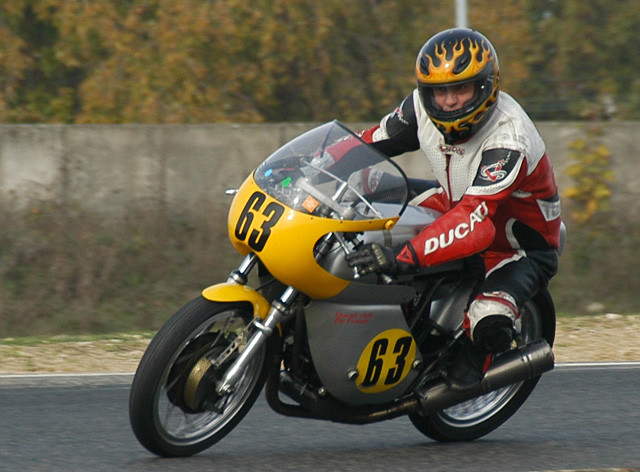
279,309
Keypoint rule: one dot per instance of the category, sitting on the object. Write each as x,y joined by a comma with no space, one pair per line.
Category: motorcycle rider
496,190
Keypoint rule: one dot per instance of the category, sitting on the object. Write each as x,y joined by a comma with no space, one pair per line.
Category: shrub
68,270
598,268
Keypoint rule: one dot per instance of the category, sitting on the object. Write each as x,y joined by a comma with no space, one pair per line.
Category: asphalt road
579,417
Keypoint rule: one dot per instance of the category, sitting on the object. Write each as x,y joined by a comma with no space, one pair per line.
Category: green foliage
162,61
63,269
598,265
592,175
581,61
66,270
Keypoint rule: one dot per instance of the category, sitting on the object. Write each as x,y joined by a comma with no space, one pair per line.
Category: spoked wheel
481,415
173,407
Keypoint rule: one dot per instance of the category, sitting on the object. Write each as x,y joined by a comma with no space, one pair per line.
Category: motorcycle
325,341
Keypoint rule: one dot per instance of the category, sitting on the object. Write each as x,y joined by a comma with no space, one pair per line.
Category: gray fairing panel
339,334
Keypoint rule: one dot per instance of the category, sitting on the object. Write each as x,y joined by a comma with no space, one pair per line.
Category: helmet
458,56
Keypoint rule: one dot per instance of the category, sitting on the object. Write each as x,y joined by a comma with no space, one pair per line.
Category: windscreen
330,172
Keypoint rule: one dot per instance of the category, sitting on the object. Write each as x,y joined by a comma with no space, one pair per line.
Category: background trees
162,61
202,61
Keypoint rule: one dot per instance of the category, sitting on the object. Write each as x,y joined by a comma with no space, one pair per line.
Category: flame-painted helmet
458,56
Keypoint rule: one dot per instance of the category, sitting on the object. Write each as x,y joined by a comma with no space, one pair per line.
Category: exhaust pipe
509,368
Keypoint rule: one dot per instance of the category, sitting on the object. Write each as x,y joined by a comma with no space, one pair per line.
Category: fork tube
241,274
324,246
278,311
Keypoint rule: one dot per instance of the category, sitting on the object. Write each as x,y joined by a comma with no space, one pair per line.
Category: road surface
579,417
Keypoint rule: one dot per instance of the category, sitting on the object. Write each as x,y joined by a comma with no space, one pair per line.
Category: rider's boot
492,335
467,365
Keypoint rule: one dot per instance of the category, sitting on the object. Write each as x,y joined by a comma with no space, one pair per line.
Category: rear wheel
173,408
481,415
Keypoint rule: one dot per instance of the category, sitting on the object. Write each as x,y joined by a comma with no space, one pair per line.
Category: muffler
508,368
511,367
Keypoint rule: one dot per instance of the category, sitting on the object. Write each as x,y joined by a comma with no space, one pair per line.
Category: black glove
373,257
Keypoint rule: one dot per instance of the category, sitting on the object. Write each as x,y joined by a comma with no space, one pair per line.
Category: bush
598,271
68,270
598,268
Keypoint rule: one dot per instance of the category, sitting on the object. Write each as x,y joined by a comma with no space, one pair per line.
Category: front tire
173,407
477,417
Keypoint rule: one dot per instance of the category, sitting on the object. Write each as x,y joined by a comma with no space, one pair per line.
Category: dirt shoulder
578,339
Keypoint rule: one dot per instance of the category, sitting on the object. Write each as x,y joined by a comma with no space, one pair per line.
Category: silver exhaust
508,368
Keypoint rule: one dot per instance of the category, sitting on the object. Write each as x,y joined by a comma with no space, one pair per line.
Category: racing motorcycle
324,340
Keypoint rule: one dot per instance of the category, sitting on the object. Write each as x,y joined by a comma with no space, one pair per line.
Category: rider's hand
372,257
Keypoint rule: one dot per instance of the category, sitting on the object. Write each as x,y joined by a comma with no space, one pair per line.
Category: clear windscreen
330,172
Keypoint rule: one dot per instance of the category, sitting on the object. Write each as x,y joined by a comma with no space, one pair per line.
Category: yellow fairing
284,240
227,292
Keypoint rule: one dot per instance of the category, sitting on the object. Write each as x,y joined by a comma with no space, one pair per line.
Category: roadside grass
65,271
564,318
578,339
122,338
115,352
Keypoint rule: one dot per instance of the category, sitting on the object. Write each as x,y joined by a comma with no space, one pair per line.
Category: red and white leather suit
498,196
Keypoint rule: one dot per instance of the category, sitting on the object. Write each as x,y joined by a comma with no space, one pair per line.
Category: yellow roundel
386,361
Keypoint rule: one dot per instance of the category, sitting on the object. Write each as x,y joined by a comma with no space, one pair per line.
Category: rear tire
173,407
477,417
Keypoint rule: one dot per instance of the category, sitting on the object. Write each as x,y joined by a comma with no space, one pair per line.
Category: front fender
229,292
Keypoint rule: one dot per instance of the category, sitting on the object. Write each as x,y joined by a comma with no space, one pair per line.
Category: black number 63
258,236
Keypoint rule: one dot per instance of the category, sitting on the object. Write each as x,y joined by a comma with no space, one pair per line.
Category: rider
496,190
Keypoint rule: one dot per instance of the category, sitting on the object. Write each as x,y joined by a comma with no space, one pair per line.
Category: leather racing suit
498,196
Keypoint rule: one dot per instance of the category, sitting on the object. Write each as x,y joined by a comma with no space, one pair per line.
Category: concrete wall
185,168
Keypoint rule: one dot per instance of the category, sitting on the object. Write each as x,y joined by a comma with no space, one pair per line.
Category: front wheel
173,407
481,415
